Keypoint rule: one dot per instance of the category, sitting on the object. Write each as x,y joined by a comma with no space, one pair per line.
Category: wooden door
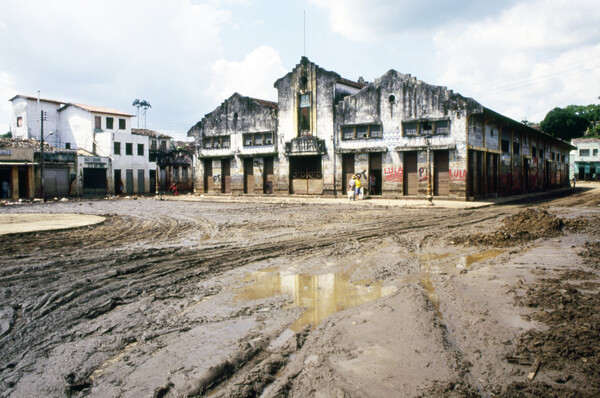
268,176
411,173
225,176
347,170
248,175
441,176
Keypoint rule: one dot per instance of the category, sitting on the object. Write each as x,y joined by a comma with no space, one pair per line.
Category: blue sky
519,58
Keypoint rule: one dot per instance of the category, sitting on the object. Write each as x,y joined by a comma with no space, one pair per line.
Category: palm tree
145,104
137,103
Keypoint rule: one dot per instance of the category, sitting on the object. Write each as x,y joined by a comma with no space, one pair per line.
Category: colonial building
398,132
116,159
585,159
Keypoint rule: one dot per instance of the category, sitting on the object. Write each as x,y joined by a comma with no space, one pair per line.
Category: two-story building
115,159
585,159
399,133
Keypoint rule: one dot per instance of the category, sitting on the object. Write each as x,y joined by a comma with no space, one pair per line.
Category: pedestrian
5,188
357,187
174,189
574,181
372,181
351,191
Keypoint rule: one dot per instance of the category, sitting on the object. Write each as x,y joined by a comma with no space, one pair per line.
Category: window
426,128
163,145
128,148
361,132
67,145
541,153
110,123
151,156
153,145
594,152
176,173
97,123
140,149
117,148
553,156
216,142
347,133
122,124
268,138
584,152
410,128
304,114
534,152
516,148
257,139
505,146
19,121
443,127
184,173
375,131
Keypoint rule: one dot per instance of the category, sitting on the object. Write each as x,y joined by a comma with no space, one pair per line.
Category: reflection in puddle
431,294
471,259
320,295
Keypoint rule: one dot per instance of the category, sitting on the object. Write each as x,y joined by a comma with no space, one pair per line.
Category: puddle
319,295
467,261
431,294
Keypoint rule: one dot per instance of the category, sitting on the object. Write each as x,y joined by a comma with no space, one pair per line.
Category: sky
185,57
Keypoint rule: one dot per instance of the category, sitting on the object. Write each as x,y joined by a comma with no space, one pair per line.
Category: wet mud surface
171,298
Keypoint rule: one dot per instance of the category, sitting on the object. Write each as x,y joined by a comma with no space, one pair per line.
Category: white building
104,133
585,160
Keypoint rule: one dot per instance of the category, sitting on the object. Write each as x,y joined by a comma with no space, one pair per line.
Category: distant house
20,161
585,160
118,160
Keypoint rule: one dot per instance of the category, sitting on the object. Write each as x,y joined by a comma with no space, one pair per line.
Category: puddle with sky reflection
319,295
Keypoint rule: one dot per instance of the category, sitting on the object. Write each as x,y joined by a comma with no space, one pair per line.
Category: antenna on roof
305,33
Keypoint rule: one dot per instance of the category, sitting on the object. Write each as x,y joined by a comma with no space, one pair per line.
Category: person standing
574,181
351,192
357,187
372,182
5,188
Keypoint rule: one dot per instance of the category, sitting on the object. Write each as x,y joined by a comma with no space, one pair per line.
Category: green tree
565,123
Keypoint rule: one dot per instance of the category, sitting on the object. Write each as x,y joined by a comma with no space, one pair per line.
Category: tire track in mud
91,273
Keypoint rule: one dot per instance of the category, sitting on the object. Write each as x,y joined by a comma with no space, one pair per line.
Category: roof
506,119
270,104
36,98
83,152
96,109
351,83
24,143
585,140
150,133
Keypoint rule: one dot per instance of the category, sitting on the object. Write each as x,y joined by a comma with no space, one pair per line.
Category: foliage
6,135
570,122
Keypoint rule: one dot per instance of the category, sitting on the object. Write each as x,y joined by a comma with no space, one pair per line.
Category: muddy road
190,298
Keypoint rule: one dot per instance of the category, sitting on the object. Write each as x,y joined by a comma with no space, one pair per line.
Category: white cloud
108,53
527,60
7,91
372,20
254,76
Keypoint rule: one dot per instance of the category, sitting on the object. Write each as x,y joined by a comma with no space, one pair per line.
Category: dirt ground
191,298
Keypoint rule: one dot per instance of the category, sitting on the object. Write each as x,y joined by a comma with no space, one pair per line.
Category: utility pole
42,117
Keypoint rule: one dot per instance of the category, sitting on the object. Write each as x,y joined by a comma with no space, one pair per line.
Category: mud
171,298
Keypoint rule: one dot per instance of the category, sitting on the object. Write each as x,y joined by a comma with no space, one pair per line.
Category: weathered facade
400,133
